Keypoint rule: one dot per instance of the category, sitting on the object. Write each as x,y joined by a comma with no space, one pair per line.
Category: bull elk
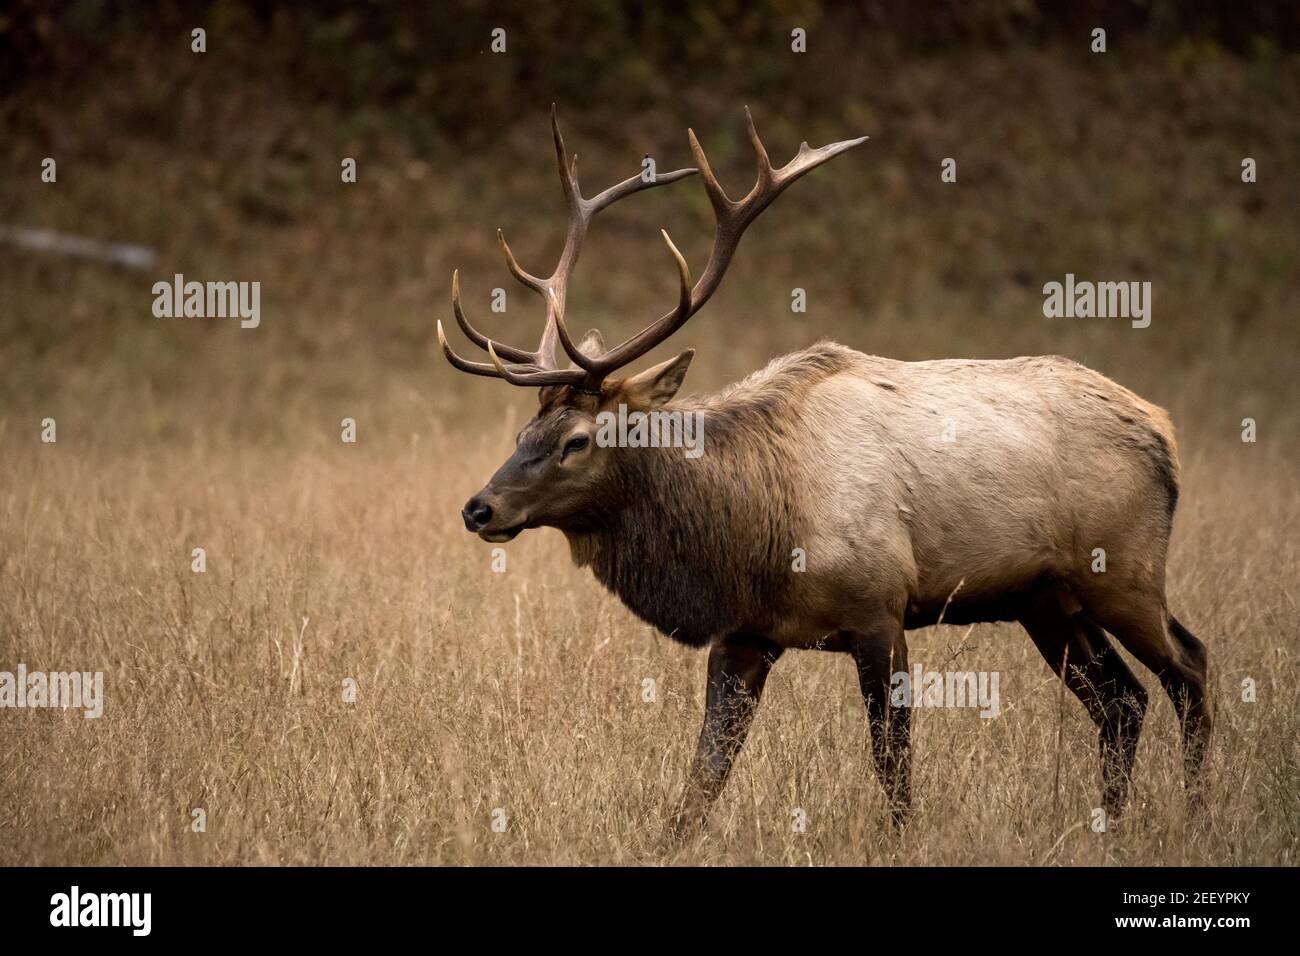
840,454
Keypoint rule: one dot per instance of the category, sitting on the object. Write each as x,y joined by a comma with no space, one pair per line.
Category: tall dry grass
522,690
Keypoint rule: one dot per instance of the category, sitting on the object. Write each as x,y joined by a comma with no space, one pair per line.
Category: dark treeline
426,58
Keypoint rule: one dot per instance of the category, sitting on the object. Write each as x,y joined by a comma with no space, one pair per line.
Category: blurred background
1119,166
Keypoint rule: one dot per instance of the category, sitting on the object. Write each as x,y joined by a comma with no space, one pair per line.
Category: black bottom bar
538,905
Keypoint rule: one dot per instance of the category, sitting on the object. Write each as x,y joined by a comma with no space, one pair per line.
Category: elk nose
477,513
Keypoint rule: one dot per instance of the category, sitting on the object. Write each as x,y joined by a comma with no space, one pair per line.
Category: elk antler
732,218
539,367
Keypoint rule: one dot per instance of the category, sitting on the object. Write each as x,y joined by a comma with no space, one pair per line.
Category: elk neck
700,546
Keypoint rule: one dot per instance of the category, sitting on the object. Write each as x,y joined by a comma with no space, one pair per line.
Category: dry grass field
521,690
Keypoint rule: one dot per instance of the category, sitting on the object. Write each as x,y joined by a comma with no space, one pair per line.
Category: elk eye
576,443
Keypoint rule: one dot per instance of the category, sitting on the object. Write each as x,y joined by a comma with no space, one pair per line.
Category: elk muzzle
487,516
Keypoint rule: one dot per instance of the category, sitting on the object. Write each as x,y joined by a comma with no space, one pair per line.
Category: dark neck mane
702,546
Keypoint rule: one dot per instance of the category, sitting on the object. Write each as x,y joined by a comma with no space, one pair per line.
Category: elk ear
656,385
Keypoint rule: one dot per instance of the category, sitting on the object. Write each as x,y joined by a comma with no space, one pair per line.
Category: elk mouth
502,535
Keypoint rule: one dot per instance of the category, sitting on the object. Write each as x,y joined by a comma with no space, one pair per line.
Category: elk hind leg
1077,650
1150,633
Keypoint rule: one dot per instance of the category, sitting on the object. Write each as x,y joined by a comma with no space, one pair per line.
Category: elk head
558,476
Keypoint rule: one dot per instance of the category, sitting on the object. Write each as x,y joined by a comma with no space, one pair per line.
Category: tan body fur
1048,461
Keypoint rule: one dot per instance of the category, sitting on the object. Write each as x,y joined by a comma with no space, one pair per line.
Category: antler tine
732,218
566,342
765,171
632,185
568,171
717,195
525,277
465,365
473,334
683,273
535,376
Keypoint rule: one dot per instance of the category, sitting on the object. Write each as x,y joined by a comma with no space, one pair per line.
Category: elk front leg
738,669
880,653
